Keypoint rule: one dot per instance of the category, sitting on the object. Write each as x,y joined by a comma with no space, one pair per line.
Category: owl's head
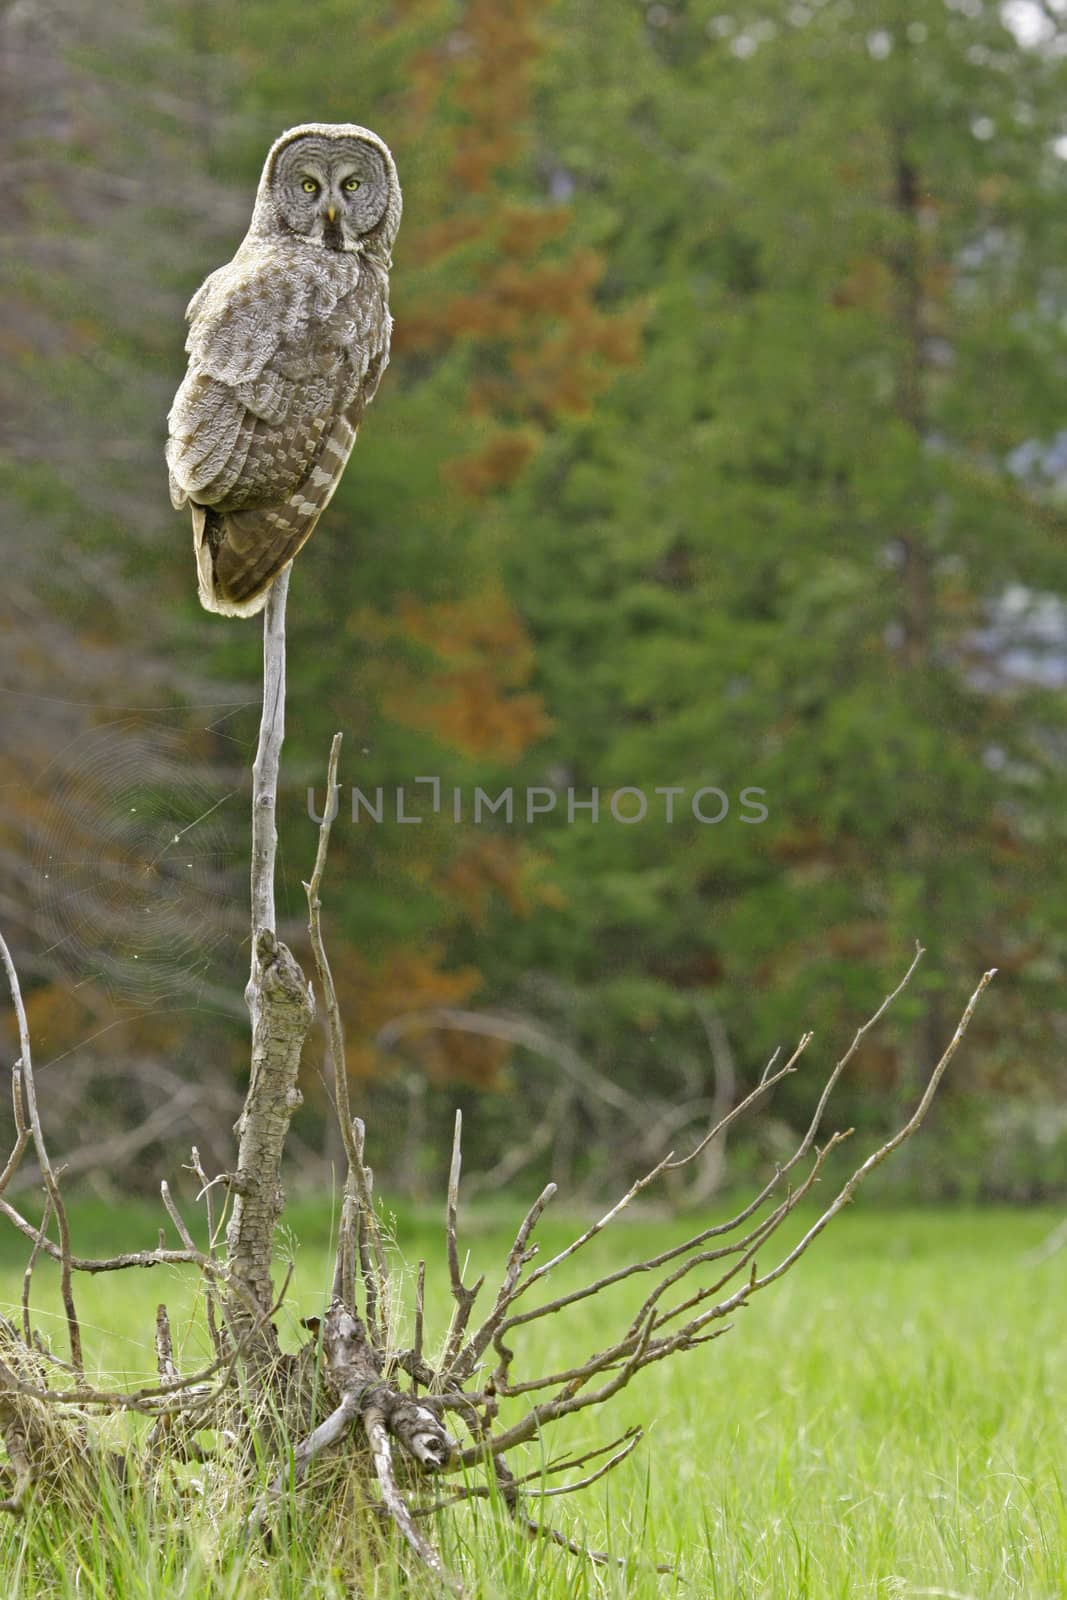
333,184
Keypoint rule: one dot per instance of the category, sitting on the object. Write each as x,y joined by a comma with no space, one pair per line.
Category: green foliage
769,557
717,450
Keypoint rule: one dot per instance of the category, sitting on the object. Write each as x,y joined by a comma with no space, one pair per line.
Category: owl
287,345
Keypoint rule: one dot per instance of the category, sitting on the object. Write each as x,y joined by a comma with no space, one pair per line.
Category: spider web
136,862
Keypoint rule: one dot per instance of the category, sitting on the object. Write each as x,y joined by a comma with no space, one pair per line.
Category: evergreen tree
797,547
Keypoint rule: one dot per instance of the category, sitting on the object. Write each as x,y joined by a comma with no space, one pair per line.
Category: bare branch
168,1372
27,1276
518,1257
382,1455
22,1132
420,1313
645,1341
464,1298
480,1491
206,1194
375,1271
160,1257
47,1172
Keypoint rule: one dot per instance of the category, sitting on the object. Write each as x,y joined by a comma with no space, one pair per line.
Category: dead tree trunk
281,1007
359,1392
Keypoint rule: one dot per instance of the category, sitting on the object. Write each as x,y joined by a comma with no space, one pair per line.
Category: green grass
887,1421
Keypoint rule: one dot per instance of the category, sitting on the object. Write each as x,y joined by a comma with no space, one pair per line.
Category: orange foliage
486,653
492,865
542,345
493,85
67,1016
525,230
503,282
403,985
861,940
800,843
494,467
60,1020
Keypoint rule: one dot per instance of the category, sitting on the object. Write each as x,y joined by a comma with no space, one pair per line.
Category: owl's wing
264,422
228,439
239,557
239,321
239,554
244,312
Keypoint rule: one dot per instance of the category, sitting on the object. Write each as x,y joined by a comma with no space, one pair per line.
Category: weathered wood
281,1006
354,1379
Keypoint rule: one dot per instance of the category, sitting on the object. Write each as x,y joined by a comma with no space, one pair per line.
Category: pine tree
797,548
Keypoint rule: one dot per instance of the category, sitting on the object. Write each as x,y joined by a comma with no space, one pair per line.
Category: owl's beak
331,213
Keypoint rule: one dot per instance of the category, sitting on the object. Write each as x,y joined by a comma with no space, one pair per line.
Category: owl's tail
240,553
210,539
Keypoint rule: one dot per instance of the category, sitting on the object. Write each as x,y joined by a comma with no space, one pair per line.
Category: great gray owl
287,344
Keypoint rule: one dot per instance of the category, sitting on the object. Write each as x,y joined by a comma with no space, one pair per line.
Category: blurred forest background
724,444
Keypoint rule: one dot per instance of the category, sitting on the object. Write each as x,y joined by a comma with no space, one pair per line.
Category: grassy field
885,1422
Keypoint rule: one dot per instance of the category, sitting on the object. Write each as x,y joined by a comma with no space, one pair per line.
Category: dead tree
369,1388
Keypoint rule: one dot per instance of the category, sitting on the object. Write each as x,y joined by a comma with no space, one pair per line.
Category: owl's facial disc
333,192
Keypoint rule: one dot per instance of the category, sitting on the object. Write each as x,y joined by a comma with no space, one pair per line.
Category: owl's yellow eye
309,186
350,185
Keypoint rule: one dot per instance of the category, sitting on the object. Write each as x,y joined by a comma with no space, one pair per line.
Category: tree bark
281,1006
918,597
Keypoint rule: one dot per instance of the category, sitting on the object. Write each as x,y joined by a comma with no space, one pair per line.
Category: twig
196,1389
344,1269
642,1344
420,1312
518,1257
772,1075
206,1194
875,1160
376,1277
27,1276
171,1431
508,1487
47,1172
464,1298
168,1372
382,1455
22,1132
159,1257
212,1307
369,1246
670,1163
214,1274
480,1491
